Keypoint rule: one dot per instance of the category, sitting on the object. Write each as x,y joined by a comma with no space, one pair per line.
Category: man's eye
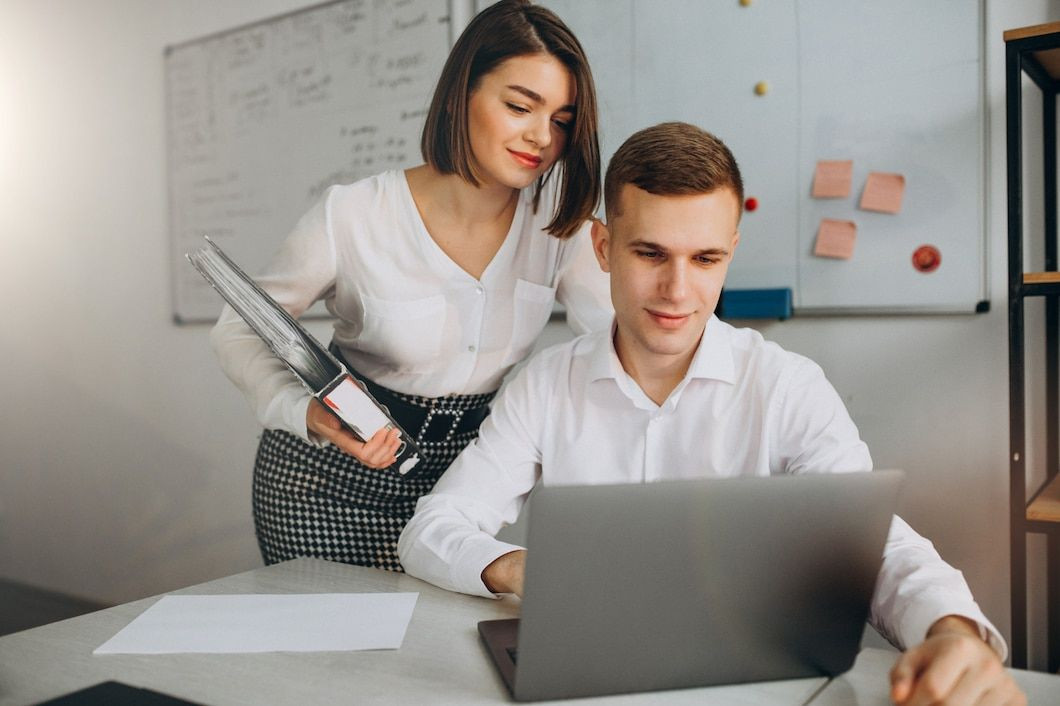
650,254
704,260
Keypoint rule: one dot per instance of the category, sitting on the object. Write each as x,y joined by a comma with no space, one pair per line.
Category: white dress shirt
408,317
745,407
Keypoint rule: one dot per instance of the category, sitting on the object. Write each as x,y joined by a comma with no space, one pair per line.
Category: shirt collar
712,360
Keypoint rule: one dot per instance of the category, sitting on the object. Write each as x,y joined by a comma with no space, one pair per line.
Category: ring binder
322,374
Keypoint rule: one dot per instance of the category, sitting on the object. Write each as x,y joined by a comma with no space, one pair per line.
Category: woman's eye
517,108
562,124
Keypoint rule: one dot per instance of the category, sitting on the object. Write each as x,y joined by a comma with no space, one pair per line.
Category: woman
441,277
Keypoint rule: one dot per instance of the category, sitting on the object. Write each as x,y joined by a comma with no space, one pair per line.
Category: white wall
125,455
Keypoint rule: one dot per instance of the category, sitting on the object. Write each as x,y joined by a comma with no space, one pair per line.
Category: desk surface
440,662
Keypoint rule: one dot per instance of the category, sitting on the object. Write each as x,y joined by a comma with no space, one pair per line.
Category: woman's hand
378,452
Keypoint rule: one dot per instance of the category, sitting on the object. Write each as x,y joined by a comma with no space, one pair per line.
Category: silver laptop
694,583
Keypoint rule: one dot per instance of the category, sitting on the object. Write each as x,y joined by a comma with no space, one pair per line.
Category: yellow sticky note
883,192
835,239
831,179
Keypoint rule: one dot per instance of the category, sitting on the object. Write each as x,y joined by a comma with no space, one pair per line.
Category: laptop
694,583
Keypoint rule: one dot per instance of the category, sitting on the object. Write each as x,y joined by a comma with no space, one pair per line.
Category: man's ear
601,243
735,242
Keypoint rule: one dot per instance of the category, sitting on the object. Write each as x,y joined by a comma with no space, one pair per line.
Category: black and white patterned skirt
323,503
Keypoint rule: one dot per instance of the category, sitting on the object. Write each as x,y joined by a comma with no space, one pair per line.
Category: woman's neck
448,198
468,223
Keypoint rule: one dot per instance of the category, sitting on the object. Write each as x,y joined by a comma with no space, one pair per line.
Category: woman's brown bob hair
504,30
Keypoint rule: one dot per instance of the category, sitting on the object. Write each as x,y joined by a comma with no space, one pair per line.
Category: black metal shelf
1034,52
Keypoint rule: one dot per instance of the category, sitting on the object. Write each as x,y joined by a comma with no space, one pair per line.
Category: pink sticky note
831,179
835,239
883,192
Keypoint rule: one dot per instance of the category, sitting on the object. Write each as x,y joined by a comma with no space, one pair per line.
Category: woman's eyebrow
535,96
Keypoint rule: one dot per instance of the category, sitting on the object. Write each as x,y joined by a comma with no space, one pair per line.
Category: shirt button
479,290
471,349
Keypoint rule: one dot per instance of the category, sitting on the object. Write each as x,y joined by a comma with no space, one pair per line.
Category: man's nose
675,281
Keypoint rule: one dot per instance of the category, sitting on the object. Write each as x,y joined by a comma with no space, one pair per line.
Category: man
673,392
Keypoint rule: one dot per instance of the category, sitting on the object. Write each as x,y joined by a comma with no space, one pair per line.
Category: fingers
905,672
381,450
378,452
939,679
952,670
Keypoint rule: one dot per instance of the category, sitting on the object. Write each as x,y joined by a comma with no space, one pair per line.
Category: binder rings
327,379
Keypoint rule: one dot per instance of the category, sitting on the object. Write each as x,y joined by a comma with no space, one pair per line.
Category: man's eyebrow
722,252
536,97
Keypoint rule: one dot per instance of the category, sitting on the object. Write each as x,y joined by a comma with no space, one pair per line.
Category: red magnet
750,204
927,258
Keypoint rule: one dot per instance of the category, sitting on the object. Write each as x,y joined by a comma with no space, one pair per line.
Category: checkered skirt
323,503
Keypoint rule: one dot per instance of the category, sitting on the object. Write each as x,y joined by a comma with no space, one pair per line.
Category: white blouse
407,316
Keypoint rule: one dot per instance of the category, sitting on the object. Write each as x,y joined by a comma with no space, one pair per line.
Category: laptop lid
695,583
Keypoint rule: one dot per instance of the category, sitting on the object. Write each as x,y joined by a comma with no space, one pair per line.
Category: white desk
440,662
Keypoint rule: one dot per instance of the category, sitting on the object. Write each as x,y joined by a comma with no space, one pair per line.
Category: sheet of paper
883,192
831,179
835,239
267,623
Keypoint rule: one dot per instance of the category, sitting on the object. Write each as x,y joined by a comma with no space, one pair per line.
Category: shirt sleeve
583,288
302,272
815,432
915,587
450,538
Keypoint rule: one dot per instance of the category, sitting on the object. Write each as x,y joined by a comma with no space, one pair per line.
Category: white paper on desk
267,623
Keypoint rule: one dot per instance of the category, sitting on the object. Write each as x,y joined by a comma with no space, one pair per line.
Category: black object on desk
113,693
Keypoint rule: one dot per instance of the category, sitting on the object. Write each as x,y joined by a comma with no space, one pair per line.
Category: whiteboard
263,118
894,86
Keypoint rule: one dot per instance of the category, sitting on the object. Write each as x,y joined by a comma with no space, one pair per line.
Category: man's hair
671,159
504,30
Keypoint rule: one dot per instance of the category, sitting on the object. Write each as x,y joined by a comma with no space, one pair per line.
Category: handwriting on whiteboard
263,119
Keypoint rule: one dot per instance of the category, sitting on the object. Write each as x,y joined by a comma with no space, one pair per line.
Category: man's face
667,256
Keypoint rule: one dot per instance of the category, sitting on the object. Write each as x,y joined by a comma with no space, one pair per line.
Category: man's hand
505,573
953,666
378,452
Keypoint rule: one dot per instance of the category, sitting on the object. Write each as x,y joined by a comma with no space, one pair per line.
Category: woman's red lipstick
526,159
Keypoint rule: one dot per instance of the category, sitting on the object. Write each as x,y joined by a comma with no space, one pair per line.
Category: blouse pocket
407,334
531,310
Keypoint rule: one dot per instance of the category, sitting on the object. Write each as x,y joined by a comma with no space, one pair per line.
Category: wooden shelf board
1032,31
1046,505
1041,277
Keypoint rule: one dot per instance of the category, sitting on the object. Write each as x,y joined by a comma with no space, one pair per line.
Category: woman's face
518,119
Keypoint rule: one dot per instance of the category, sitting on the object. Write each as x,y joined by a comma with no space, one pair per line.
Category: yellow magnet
761,88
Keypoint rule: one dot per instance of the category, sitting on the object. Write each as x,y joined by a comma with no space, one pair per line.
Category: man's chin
673,345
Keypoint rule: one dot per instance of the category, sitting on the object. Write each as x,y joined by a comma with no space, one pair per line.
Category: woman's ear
601,243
